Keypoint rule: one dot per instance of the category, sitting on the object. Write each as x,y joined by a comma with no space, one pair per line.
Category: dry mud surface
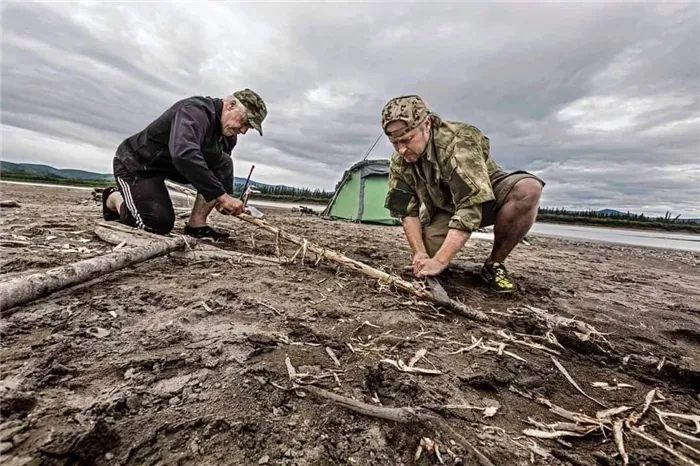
134,369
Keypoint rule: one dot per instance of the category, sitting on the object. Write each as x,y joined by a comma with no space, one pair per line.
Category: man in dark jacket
190,143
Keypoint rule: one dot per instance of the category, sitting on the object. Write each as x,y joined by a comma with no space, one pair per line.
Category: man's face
412,144
234,120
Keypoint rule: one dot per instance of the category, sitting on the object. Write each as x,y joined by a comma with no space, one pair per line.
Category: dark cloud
602,100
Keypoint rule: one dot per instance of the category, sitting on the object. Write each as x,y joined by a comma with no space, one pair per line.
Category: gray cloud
601,100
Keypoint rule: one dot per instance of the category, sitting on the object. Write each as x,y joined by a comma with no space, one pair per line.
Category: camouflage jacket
453,175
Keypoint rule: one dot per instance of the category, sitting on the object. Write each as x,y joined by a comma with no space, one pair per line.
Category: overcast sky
602,100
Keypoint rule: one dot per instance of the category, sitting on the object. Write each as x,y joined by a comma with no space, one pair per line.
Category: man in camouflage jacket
443,184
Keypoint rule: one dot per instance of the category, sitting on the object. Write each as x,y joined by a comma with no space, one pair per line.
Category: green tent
360,194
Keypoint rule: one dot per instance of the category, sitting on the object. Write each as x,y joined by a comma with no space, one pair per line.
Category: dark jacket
184,144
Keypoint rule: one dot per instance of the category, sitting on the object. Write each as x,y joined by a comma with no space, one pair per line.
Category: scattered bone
501,347
401,366
499,350
468,348
661,363
367,323
484,348
535,448
608,387
550,434
570,426
566,414
512,339
332,356
573,382
619,441
635,417
270,308
290,369
608,413
489,411
418,356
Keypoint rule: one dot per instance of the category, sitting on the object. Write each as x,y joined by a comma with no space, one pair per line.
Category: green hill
48,171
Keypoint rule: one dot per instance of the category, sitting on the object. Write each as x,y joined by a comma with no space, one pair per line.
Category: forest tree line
287,192
615,215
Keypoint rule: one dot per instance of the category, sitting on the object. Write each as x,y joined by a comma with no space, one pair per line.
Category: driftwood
23,290
383,277
117,237
403,415
365,269
203,251
9,204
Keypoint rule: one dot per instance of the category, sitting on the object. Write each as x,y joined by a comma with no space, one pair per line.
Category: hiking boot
107,213
497,278
205,232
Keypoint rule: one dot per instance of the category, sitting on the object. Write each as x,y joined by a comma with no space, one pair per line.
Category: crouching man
443,184
191,142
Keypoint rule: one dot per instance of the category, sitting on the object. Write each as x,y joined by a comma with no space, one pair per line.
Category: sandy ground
134,369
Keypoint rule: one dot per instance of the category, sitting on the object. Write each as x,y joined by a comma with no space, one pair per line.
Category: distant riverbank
617,223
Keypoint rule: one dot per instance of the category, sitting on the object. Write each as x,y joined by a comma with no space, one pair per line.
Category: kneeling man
191,143
443,184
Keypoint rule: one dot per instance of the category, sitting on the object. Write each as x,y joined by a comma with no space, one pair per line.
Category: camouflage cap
257,111
407,108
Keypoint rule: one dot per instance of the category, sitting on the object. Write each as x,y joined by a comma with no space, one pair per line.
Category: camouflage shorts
435,233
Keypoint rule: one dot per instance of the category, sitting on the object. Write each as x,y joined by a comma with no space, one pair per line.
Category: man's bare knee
525,191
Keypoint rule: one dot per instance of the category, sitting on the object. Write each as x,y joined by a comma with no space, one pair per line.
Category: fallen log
345,261
24,290
403,415
203,252
117,237
9,204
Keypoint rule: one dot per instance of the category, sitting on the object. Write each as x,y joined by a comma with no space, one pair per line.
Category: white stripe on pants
129,200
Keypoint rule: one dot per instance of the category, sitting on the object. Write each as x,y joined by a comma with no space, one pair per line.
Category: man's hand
228,205
418,257
428,267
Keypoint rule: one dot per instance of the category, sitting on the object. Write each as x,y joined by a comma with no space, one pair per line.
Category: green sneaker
497,278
